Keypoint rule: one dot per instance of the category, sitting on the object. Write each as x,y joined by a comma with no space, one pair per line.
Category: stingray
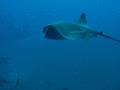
72,31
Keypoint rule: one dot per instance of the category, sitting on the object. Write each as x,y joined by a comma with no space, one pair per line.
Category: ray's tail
108,37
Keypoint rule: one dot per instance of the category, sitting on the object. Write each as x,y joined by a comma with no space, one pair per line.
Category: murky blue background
43,64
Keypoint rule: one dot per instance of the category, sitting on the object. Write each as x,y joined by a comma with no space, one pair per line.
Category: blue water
42,64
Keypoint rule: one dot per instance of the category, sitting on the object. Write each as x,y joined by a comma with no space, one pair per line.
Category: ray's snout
48,29
45,28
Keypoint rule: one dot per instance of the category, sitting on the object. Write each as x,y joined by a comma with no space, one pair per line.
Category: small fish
65,89
72,31
17,83
8,82
4,82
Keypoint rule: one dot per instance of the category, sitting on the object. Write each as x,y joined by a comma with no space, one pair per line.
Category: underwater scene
59,44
